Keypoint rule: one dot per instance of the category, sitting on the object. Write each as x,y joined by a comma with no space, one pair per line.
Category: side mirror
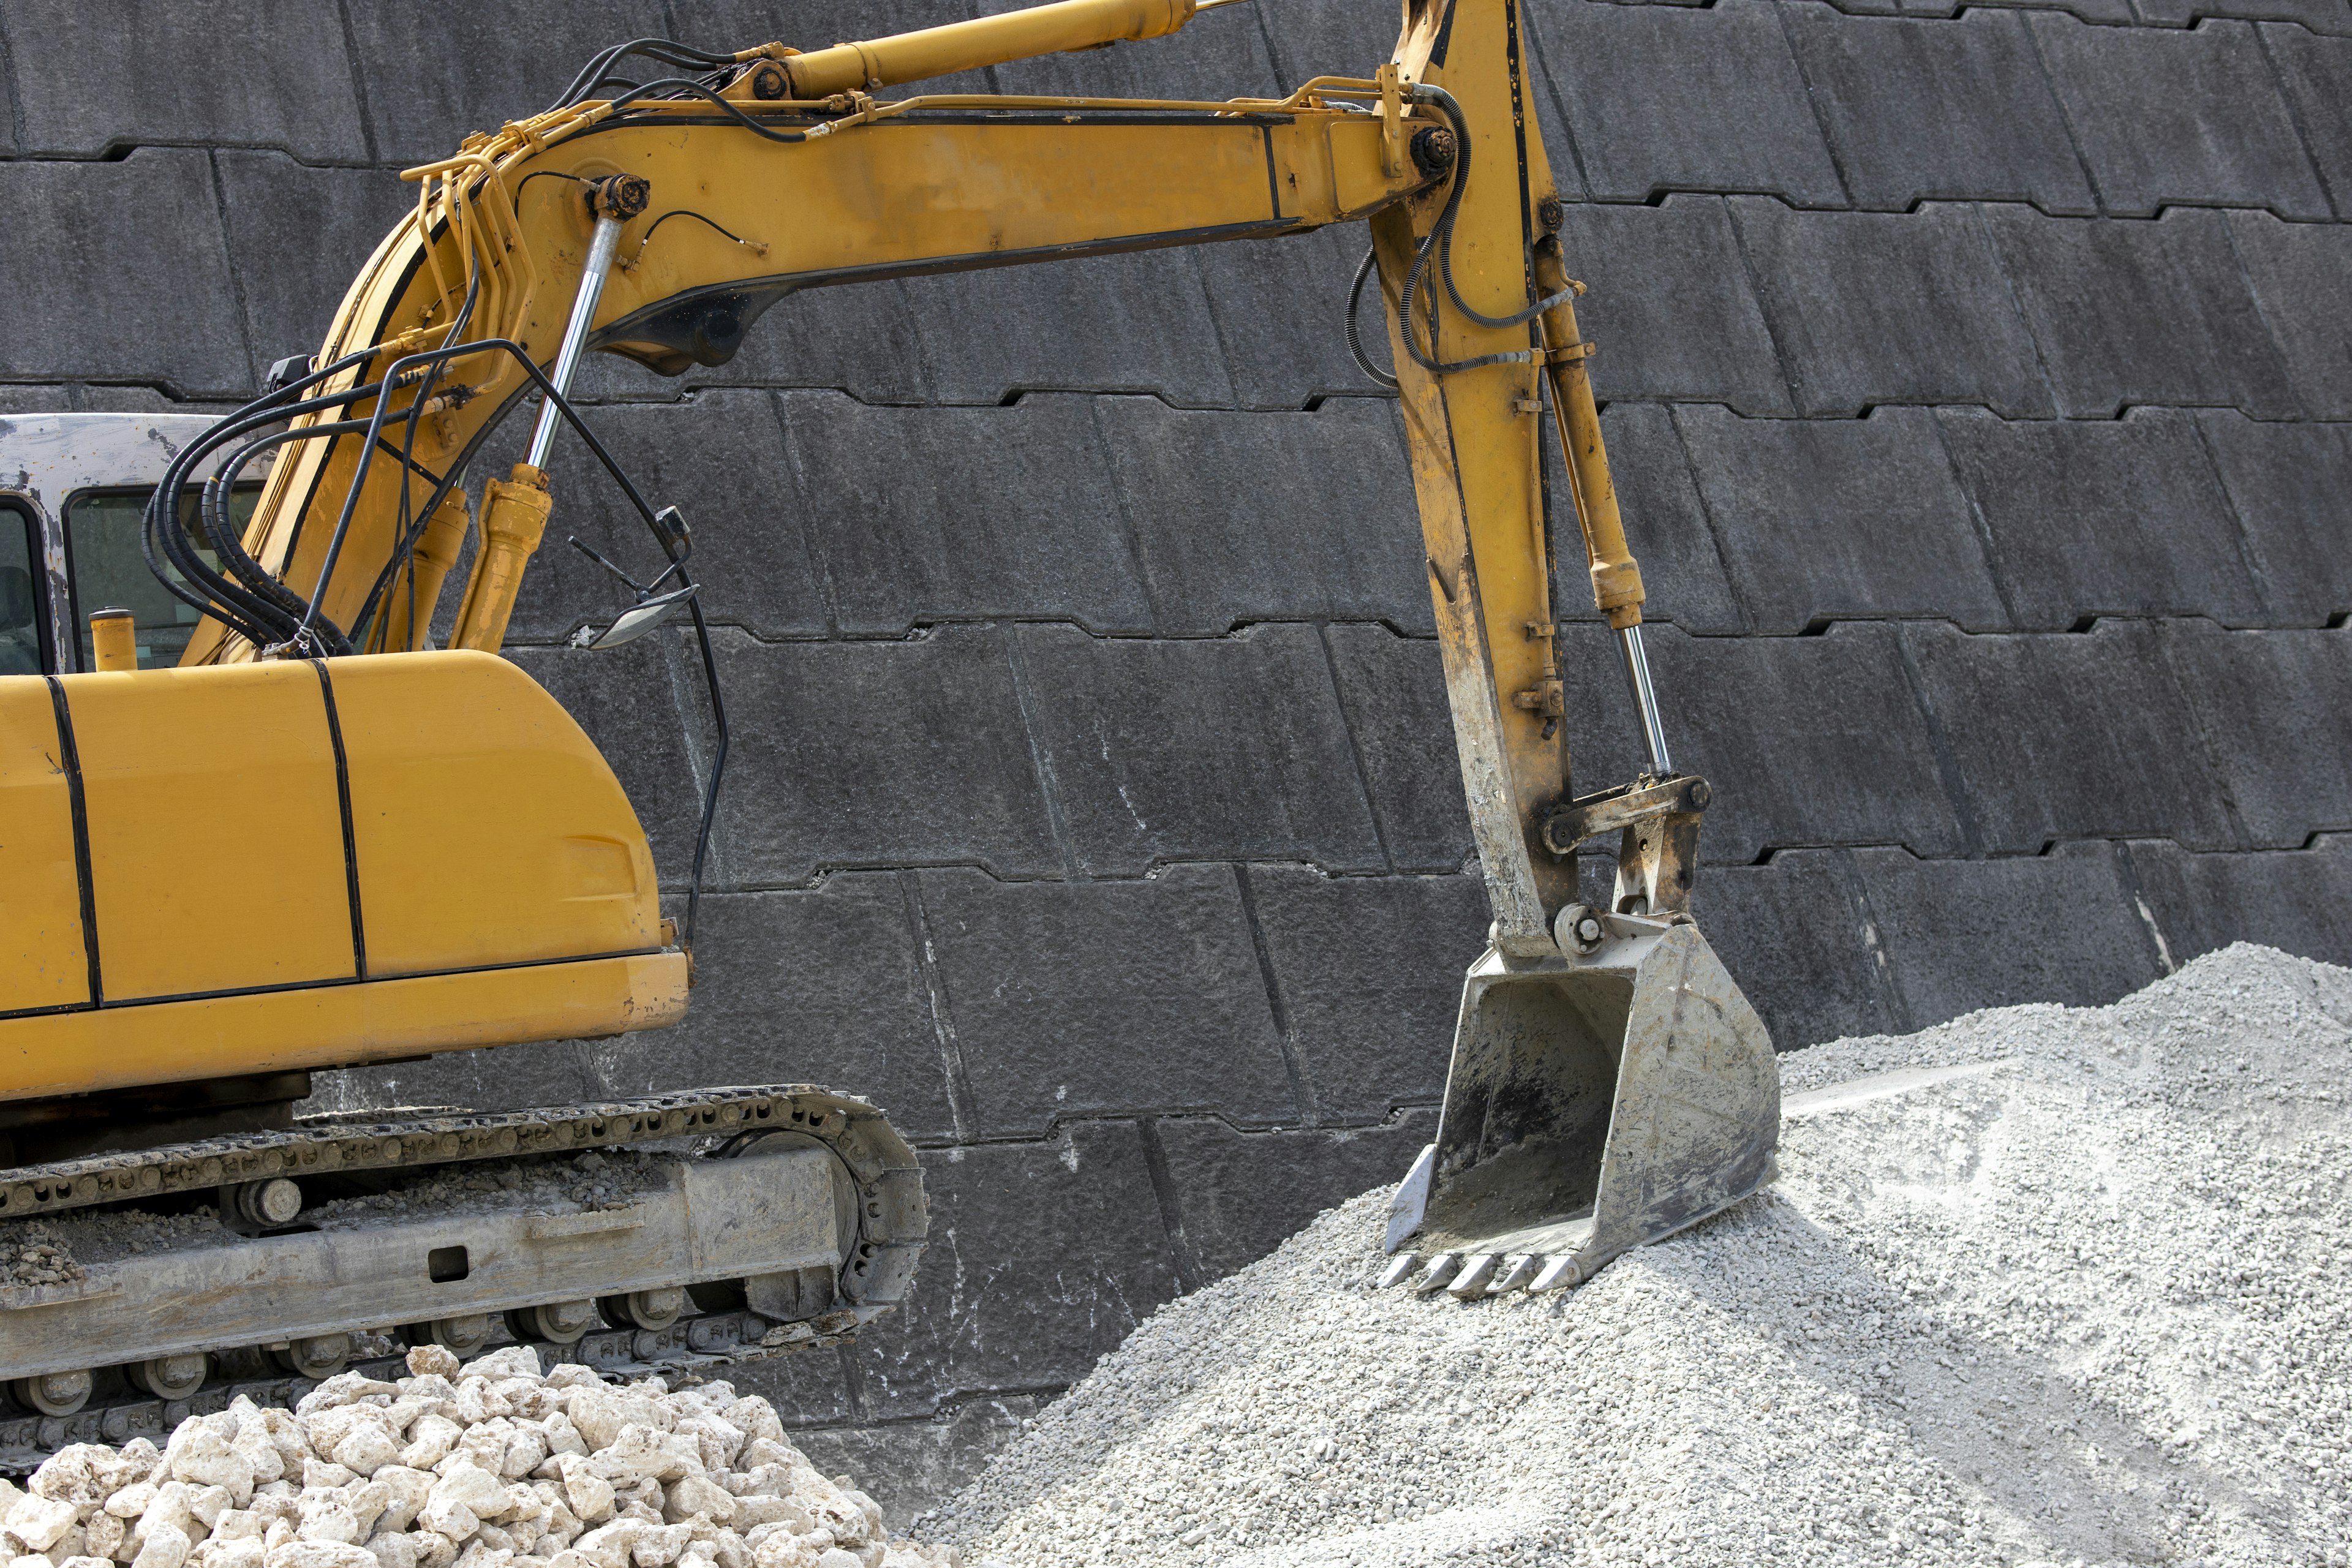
636,621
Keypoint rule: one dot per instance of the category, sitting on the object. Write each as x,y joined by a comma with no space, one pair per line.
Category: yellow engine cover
252,867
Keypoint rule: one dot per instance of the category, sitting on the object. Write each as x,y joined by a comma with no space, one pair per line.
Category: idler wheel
461,1336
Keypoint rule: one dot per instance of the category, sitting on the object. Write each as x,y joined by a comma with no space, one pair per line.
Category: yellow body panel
487,828
335,1026
503,883
40,894
215,831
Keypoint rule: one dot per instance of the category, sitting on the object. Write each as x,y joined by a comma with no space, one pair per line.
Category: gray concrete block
878,754
918,515
2119,12
916,1464
1041,1257
474,67
1278,308
1392,689
1239,1196
1919,109
1136,323
1872,308
1670,304
1840,519
129,279
252,73
2299,271
1194,749
2298,900
2312,70
808,1386
819,986
719,458
2164,116
502,1077
298,237
2317,16
1079,999
2089,518
1368,971
1310,38
2167,116
1238,518
1792,935
1687,100
2272,703
1666,524
628,701
1965,934
1806,740
2133,313
2053,737
2286,483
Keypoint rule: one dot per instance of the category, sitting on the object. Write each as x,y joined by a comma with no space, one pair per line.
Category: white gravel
492,1464
2086,1302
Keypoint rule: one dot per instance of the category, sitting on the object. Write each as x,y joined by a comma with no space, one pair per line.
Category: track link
873,1239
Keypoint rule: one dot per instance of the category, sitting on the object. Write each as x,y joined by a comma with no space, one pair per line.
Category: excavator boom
452,866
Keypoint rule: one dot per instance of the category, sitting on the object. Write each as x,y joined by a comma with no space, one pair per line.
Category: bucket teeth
1442,1269
1553,1275
1517,1271
1471,1284
1401,1265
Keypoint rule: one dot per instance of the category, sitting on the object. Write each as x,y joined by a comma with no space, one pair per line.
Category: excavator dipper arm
1609,1084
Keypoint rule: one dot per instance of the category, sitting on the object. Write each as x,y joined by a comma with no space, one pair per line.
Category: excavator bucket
1598,1099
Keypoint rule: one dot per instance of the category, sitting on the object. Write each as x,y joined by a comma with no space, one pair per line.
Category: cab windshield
109,571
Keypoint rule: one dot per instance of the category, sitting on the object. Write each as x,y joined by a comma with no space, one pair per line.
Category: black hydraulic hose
1443,233
696,89
1355,335
667,52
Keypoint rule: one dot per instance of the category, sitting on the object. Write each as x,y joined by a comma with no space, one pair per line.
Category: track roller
52,1393
560,1323
643,1309
460,1336
321,1357
170,1377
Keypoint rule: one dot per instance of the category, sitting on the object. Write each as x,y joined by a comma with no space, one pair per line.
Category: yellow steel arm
763,188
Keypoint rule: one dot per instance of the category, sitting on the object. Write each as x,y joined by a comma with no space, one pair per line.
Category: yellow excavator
269,829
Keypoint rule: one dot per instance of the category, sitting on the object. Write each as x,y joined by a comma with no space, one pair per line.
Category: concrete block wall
1977,380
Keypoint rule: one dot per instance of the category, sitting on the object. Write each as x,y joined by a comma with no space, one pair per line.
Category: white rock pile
2042,1286
491,1465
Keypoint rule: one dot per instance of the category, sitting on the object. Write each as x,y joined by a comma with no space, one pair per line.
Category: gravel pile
2041,1285
35,1255
486,1466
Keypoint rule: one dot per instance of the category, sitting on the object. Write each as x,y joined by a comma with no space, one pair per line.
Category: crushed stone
494,1464
2070,1287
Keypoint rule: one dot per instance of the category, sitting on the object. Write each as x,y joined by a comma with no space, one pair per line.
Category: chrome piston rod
602,248
1646,697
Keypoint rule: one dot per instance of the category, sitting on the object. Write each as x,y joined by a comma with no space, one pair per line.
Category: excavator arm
1609,1082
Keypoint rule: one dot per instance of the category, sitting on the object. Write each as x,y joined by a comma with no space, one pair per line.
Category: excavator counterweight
269,829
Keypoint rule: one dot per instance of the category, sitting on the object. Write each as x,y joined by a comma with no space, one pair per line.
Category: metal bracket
1627,805
1568,353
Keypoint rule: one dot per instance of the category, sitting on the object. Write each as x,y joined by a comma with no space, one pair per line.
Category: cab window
109,572
20,595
